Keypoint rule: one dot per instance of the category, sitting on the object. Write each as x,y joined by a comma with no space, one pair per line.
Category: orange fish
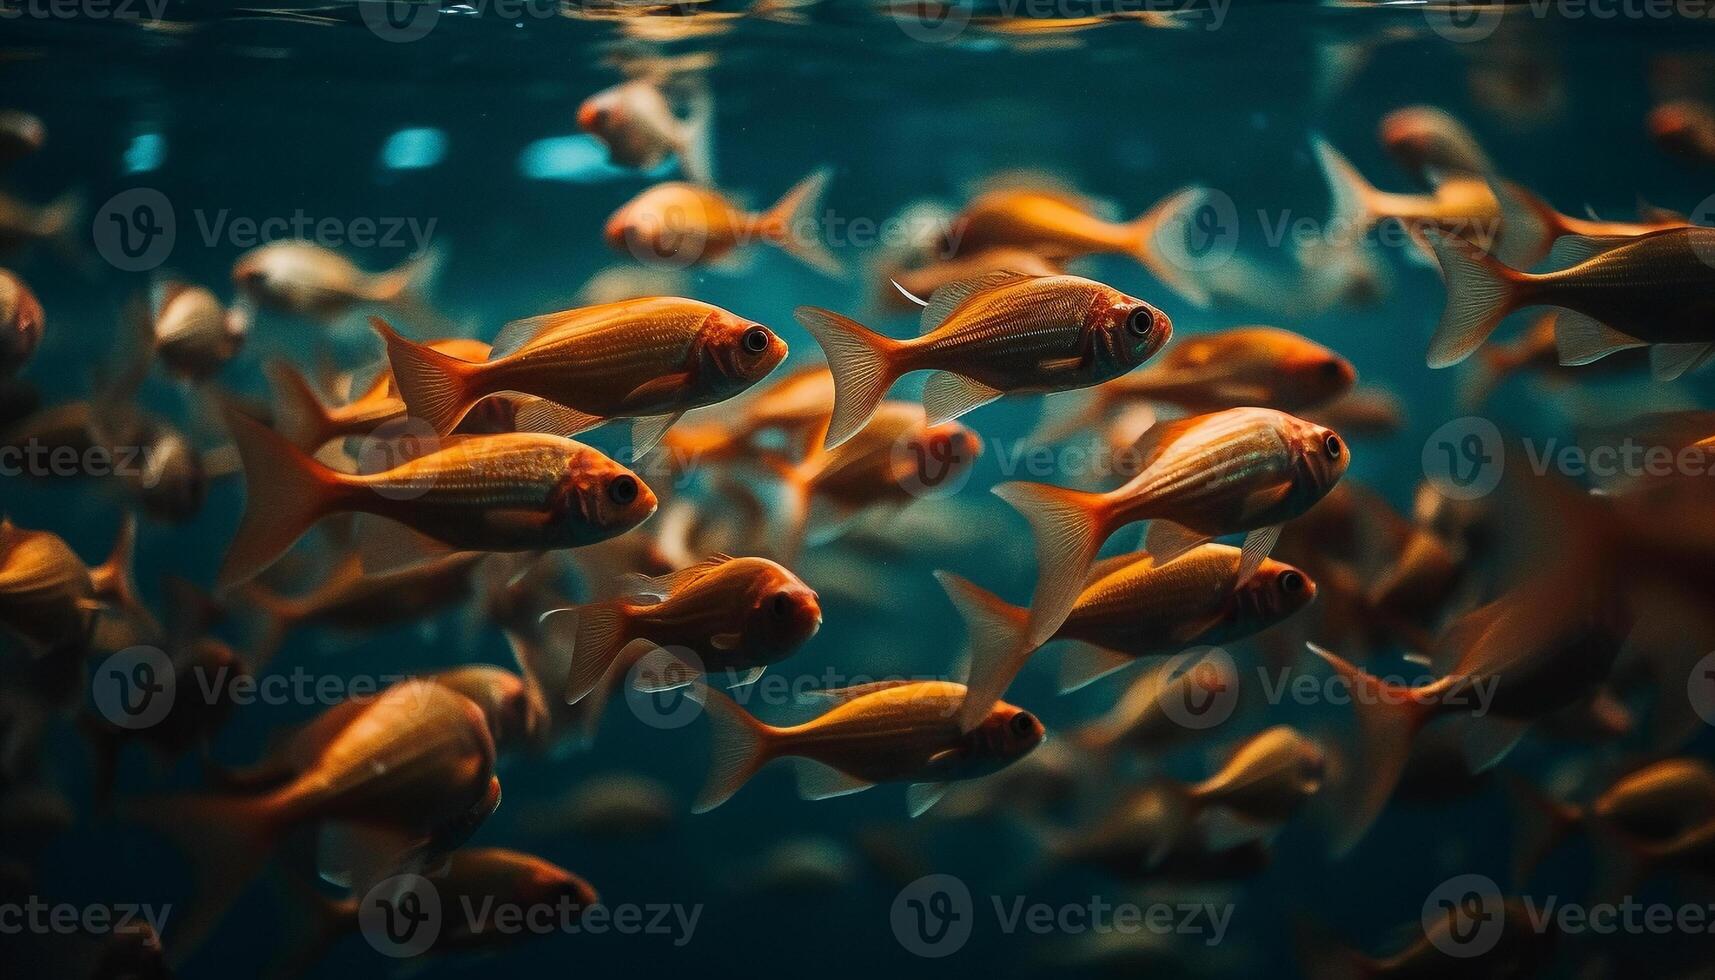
885,732
684,224
734,614
1461,203
650,360
1427,141
308,423
21,323
24,224
51,600
308,280
1685,128
640,129
983,338
1655,290
1241,470
391,782
1060,226
1130,607
509,492
1530,226
800,400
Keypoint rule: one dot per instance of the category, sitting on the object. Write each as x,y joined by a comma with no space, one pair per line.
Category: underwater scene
853,488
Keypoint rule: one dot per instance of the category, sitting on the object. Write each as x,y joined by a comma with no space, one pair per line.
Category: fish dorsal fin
1581,338
662,586
819,781
1651,213
842,695
1571,250
512,337
1156,438
946,396
919,797
950,297
1669,361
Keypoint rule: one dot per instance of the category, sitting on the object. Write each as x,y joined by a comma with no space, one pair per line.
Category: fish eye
1333,445
781,605
756,340
1140,321
622,489
1291,582
1332,369
1023,723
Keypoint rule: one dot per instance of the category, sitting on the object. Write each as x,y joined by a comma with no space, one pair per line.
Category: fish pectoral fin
659,673
1669,361
1257,545
1489,738
385,545
818,781
1189,630
1060,365
919,797
647,431
357,855
542,415
1581,338
748,677
1085,663
1166,540
947,395
726,641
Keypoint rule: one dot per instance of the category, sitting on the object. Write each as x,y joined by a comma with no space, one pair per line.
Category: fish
1131,607
1684,128
802,866
508,492
21,134
21,323
308,423
683,225
1257,366
732,614
390,782
1460,203
1541,646
473,882
1263,783
1367,411
1003,333
607,806
1241,470
23,224
1652,804
1429,142
51,601
192,332
799,400
1655,290
308,280
637,124
1059,226
1530,226
884,732
650,360
1144,835
630,281
1140,719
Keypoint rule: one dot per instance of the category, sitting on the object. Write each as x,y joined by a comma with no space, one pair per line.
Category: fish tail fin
1172,215
792,224
696,145
1526,227
226,840
285,493
594,633
299,414
1480,293
408,286
863,363
115,581
995,645
436,387
738,746
1350,212
1388,718
1069,526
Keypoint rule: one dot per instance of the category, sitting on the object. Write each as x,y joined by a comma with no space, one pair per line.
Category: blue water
469,135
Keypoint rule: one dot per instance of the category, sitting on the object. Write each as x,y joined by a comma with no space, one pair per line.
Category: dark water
234,117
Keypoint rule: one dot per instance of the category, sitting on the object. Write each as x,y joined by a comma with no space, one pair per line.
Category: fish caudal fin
1480,293
1070,526
1349,212
696,138
226,840
299,414
863,365
408,286
1389,716
738,747
435,387
285,493
793,225
594,633
995,645
1177,214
